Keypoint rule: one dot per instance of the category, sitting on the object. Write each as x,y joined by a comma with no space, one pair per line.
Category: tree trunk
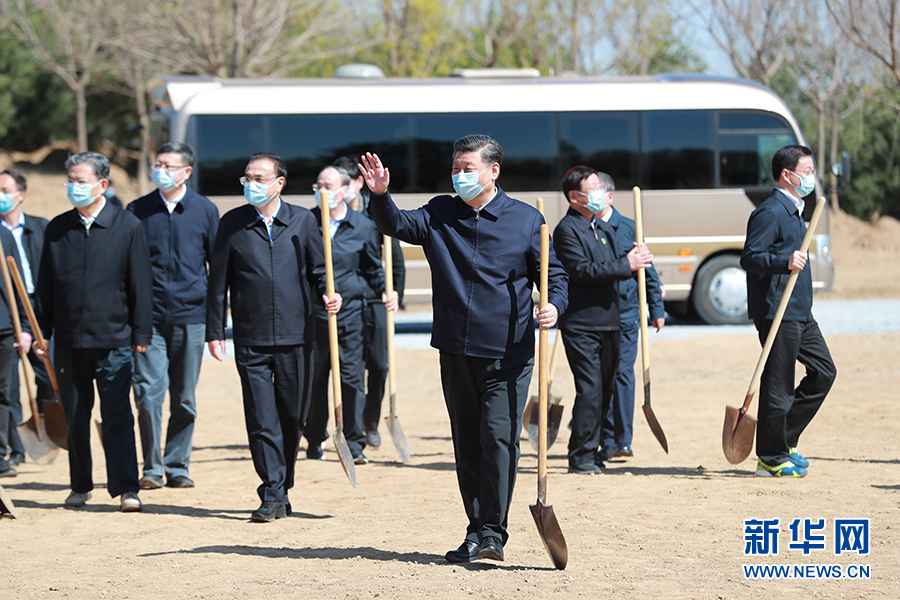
81,117
835,145
140,96
821,108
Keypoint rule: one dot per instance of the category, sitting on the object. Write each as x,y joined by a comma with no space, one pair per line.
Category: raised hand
375,174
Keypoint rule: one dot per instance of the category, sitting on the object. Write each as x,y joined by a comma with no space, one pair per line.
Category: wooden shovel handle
332,318
388,255
32,321
642,283
543,372
782,307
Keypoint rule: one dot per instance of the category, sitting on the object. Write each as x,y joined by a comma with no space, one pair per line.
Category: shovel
340,442
6,504
652,421
554,417
33,433
393,423
739,429
544,517
54,414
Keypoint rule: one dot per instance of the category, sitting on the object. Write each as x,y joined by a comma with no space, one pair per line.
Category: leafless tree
67,37
873,26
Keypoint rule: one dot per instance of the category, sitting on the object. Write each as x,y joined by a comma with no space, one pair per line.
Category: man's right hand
797,262
375,174
40,348
639,257
217,349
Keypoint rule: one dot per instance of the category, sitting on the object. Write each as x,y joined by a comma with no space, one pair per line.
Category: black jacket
94,288
397,260
628,288
594,264
270,283
357,262
483,269
33,241
774,232
10,249
180,246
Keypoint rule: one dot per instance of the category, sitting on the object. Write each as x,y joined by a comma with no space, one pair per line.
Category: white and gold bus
699,147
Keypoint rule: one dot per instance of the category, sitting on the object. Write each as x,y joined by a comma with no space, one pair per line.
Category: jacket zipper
272,279
471,288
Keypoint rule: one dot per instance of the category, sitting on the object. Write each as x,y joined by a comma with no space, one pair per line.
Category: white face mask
333,200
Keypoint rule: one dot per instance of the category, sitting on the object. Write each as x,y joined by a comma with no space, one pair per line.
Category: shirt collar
90,220
270,220
21,223
798,202
492,207
177,200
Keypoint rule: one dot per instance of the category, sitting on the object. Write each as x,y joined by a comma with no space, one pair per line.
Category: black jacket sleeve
217,290
399,268
44,291
315,256
140,288
209,239
581,269
410,226
654,294
557,278
370,263
762,232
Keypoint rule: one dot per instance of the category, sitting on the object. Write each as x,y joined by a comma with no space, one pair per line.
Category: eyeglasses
248,180
159,165
316,187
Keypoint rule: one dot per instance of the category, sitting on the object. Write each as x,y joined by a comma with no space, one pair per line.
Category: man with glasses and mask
180,227
355,246
771,252
267,259
28,232
374,311
95,298
484,250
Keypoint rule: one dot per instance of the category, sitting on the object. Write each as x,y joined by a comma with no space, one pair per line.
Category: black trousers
350,351
273,383
111,370
593,357
8,421
44,394
784,412
485,399
376,360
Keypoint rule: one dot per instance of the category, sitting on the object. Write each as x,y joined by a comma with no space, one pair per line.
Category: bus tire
719,292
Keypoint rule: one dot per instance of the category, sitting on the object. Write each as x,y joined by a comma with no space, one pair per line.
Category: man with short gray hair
94,296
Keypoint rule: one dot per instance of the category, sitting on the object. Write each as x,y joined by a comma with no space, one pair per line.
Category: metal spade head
56,424
655,427
398,437
551,534
738,434
6,504
37,443
343,452
554,419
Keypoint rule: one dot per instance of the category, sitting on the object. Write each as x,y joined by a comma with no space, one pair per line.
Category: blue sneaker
798,459
785,469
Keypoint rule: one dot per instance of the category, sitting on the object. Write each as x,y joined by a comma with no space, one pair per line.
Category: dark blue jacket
483,269
269,284
356,256
588,252
180,246
628,290
774,232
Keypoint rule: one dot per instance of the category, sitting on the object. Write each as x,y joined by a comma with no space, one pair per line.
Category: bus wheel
720,291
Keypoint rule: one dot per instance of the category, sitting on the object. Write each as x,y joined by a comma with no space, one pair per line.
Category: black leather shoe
490,549
148,482
268,512
624,451
604,454
586,469
8,471
16,459
180,481
315,452
467,552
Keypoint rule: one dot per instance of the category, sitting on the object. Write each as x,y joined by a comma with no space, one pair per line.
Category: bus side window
678,149
607,141
747,141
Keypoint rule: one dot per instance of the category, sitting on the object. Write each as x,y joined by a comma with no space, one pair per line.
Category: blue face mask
164,179
466,184
80,193
807,184
596,201
256,193
6,203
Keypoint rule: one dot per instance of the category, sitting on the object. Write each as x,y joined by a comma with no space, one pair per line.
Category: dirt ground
659,526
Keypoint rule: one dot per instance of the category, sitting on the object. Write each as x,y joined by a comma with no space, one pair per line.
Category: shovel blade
56,424
554,419
551,534
398,437
344,455
655,427
738,434
6,504
37,443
